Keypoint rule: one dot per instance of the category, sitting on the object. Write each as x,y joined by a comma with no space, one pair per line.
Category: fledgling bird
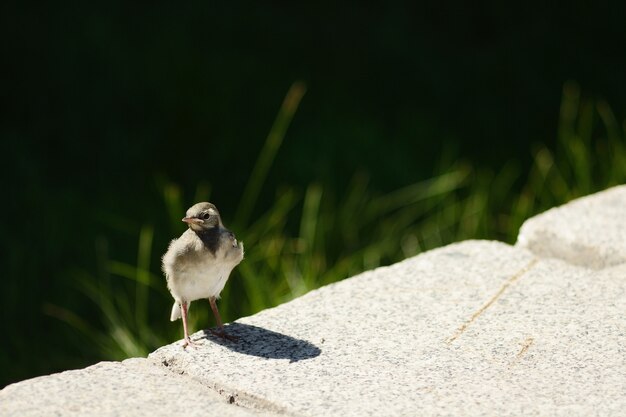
198,263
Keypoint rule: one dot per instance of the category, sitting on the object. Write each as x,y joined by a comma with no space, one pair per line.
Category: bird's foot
221,333
190,343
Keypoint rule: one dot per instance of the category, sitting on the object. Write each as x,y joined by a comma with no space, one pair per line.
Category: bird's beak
192,220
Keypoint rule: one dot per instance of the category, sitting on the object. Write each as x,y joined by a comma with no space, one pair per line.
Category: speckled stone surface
476,328
131,388
589,231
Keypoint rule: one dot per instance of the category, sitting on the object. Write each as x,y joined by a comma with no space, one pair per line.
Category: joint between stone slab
492,300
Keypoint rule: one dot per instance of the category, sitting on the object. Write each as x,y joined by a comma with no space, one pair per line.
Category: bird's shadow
257,341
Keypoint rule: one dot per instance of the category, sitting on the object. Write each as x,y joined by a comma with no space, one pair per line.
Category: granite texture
589,231
134,387
476,328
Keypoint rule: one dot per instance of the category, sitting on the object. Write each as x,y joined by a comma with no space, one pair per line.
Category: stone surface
134,387
476,328
589,231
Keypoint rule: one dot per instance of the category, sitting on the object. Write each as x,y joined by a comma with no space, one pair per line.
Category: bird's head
202,216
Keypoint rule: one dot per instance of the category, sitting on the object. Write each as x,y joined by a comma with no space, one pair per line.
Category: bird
198,264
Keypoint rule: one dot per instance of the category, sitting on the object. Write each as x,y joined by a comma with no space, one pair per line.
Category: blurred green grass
316,235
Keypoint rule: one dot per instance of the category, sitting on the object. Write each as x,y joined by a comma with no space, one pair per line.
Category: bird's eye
206,216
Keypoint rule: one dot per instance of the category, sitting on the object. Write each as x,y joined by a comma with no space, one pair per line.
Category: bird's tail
175,312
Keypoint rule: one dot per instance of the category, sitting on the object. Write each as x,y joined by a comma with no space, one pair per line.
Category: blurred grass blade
310,215
610,122
173,203
569,111
268,153
271,221
70,318
143,274
308,230
416,192
203,192
131,273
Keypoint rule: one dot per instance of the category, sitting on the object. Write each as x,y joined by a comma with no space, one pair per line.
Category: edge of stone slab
546,242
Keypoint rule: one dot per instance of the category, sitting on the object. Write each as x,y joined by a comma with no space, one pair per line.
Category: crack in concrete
492,300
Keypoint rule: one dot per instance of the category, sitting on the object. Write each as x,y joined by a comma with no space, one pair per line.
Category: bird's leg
184,307
218,320
216,313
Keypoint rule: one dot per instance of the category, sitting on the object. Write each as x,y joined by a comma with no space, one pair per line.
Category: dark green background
102,101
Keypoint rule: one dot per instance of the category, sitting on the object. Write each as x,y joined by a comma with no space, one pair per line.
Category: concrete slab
589,231
476,328
134,387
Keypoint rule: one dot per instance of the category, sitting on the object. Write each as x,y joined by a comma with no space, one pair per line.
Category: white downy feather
176,314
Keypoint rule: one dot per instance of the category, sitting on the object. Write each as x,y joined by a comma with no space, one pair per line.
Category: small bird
198,263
